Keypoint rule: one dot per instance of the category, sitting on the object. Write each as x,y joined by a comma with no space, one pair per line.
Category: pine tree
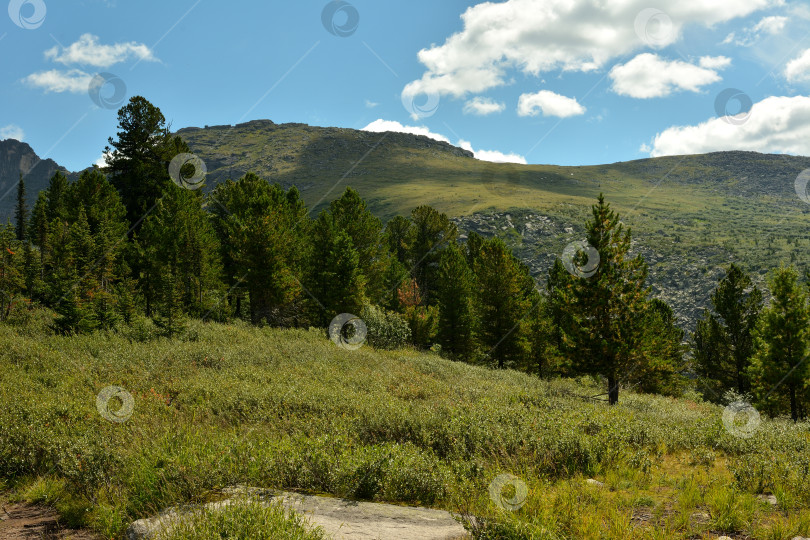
723,342
138,159
335,276
423,320
38,229
178,239
780,366
559,292
660,352
456,301
57,207
21,211
264,231
503,301
351,215
432,232
606,310
12,281
399,234
545,359
170,316
74,282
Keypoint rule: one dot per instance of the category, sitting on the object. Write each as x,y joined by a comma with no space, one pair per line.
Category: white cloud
371,104
492,155
75,80
771,25
381,125
648,75
748,36
101,161
483,106
775,124
714,62
12,131
798,69
535,36
549,103
88,51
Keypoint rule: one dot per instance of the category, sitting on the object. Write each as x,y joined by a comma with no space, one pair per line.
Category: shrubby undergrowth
235,404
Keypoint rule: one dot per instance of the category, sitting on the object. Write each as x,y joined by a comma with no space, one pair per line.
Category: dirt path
31,521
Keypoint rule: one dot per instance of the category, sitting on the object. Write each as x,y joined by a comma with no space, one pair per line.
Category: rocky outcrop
538,240
18,157
339,518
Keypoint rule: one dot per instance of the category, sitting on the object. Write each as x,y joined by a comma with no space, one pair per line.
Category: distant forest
138,243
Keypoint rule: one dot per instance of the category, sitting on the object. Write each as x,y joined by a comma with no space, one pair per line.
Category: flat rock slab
340,519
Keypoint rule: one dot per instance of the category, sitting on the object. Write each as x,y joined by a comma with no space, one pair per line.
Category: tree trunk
794,409
613,390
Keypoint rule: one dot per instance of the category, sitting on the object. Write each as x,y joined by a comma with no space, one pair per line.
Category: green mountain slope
690,215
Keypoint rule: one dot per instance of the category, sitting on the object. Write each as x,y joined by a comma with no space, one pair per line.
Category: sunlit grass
287,409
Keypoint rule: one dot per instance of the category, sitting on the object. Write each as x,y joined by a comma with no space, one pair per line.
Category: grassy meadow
233,404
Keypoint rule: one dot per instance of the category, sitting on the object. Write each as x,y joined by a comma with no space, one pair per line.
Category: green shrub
386,329
246,520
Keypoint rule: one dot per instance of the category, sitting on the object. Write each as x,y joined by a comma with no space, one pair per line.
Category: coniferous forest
137,243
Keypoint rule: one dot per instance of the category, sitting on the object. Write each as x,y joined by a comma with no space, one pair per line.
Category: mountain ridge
690,215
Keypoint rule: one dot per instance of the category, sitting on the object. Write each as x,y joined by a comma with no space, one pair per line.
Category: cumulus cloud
649,76
535,36
12,131
775,125
492,155
75,80
549,103
483,106
101,161
771,25
798,69
89,52
381,125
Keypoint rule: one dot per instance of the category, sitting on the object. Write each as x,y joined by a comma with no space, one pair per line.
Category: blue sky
542,81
